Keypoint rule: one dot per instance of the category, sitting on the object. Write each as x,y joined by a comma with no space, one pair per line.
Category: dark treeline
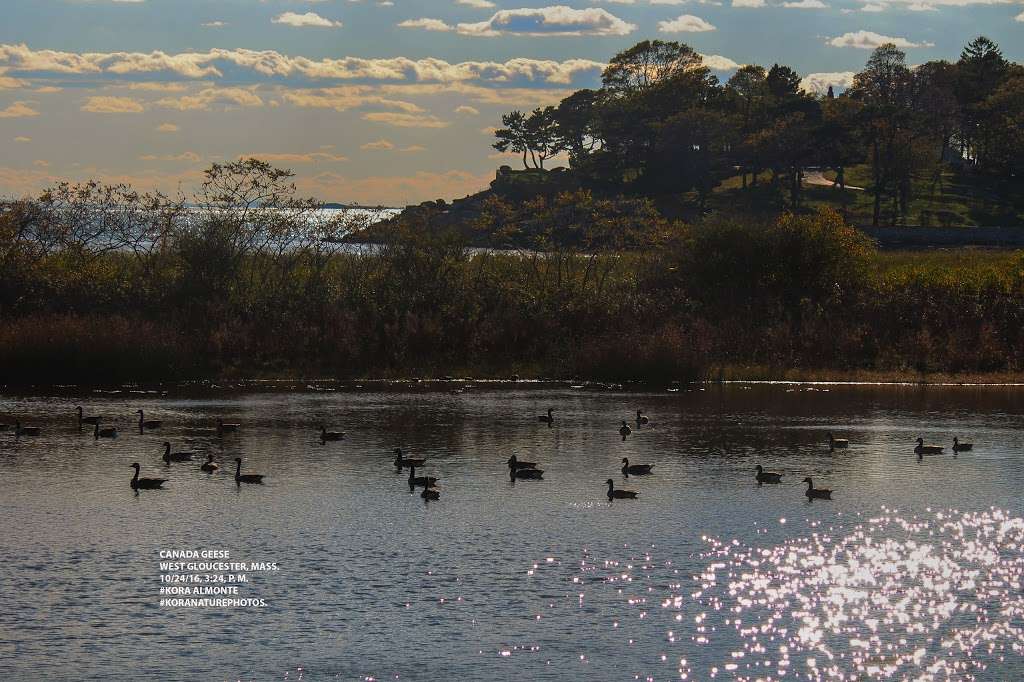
103,284
662,124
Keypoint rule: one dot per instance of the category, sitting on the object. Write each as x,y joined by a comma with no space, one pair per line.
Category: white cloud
167,128
401,119
272,64
748,3
113,105
18,110
467,110
818,82
557,20
309,19
21,139
805,4
869,40
873,7
207,98
479,4
214,24
1019,17
426,24
379,145
686,23
717,62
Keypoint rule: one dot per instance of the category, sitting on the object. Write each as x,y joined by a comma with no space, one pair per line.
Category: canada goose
422,481
527,474
326,435
767,476
147,423
624,430
837,443
177,456
620,494
961,447
401,461
109,432
245,478
145,483
209,466
923,449
226,428
515,463
431,494
635,469
641,419
816,493
549,419
20,430
93,421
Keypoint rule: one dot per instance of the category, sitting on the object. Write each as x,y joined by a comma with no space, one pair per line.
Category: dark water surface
914,570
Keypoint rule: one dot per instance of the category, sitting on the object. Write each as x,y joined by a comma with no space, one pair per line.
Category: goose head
79,410
134,465
760,468
238,459
610,482
625,460
920,441
808,481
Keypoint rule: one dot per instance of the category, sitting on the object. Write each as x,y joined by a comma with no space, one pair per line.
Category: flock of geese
518,469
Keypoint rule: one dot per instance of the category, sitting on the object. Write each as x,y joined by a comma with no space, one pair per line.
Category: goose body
147,423
109,432
421,481
624,430
431,494
816,493
92,421
767,476
620,494
326,435
549,418
20,430
145,483
226,428
514,463
245,478
641,418
527,474
209,466
635,469
923,449
837,443
961,447
178,456
402,461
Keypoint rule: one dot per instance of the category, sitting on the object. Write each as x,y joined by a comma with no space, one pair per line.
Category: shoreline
726,377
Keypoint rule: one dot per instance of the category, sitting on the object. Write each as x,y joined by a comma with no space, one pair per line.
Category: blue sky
376,101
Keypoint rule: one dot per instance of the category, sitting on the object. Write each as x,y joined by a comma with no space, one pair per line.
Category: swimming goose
226,428
527,474
245,478
961,447
210,466
515,463
549,419
816,493
422,481
635,469
401,461
767,476
20,430
923,449
837,443
109,432
641,419
620,494
177,456
147,423
93,421
326,435
145,483
624,430
431,494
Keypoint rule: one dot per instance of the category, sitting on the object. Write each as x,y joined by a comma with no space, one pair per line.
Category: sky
385,102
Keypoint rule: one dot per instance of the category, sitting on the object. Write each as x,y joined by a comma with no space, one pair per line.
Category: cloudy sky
383,101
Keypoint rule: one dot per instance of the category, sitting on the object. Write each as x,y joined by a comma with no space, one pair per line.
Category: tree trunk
878,184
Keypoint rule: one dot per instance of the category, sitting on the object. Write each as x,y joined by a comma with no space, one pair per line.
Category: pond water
914,569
